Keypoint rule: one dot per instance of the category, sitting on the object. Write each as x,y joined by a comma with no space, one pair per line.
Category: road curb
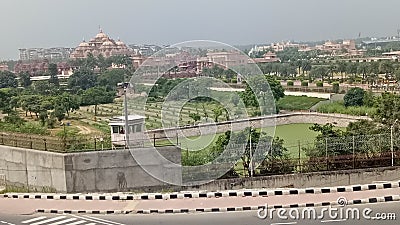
391,198
218,194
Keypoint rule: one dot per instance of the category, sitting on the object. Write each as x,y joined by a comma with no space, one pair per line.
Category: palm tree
341,67
362,69
386,67
331,70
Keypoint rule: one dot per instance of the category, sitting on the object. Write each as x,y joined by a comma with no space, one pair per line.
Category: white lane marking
107,221
77,222
328,221
91,224
283,223
49,220
64,221
34,219
92,220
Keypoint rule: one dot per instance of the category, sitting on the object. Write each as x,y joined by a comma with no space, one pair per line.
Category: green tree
354,97
82,79
25,79
195,117
8,79
69,102
53,71
109,79
217,113
341,67
386,67
388,108
262,85
319,72
95,96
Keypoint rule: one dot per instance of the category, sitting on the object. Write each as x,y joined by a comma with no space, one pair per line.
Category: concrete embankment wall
38,170
305,180
118,171
109,171
114,170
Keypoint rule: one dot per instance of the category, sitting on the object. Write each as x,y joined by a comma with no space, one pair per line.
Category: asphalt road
391,209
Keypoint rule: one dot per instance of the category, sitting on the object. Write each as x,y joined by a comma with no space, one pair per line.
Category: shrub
354,97
290,83
319,84
304,83
335,87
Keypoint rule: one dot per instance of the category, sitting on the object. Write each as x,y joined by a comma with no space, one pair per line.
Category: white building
119,132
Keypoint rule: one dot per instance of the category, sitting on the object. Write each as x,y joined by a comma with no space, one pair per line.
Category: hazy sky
53,23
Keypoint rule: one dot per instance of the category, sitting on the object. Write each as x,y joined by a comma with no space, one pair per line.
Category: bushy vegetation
304,83
338,107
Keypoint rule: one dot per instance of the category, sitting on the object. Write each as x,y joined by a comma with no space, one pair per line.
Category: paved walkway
28,206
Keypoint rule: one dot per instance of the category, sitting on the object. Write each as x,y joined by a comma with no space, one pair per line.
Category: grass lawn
290,133
297,102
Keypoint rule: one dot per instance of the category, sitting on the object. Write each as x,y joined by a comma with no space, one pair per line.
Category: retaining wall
305,180
268,122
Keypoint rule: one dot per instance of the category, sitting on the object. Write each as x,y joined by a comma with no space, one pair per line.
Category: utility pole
391,141
126,116
251,156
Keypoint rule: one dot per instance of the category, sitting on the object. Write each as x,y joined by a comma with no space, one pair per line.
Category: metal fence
76,144
324,154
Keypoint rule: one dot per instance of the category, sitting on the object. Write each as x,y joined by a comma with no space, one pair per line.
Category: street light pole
391,141
126,116
251,156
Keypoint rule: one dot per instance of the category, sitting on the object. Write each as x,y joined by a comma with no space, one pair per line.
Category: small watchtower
134,132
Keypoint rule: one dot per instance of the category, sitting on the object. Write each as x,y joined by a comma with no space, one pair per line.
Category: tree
262,85
331,70
82,79
319,72
68,102
217,113
386,67
25,79
354,97
306,66
53,71
4,100
195,116
362,69
326,132
102,63
111,78
341,67
388,108
95,96
8,79
351,68
59,112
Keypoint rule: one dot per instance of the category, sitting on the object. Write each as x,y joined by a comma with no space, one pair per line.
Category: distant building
267,58
41,67
278,47
100,44
145,50
346,48
60,53
223,59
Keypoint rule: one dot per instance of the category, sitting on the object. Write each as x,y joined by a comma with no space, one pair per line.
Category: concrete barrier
108,171
304,180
